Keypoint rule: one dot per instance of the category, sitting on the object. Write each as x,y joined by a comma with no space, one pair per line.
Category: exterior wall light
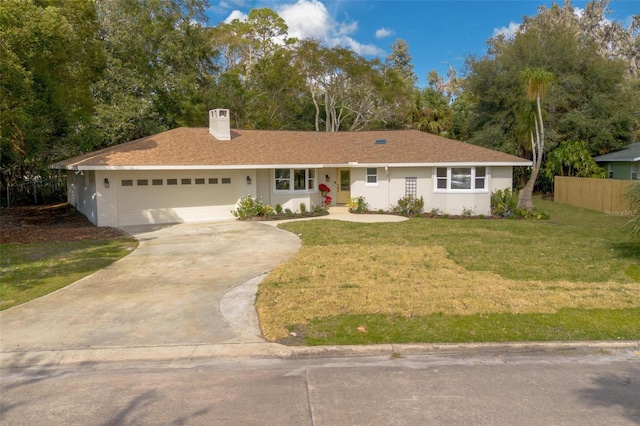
327,178
106,182
248,180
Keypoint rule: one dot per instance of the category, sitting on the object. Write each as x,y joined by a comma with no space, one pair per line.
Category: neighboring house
621,164
198,174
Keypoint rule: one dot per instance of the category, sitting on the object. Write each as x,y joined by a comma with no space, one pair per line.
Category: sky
439,32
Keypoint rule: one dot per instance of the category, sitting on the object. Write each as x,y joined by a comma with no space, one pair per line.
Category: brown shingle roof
196,147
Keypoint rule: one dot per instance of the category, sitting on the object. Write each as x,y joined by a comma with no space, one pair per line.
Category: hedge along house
198,174
621,164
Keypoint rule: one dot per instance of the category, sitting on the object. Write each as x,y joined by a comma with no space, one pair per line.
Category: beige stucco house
198,174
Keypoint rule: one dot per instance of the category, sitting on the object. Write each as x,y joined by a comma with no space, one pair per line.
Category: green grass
33,270
575,276
563,325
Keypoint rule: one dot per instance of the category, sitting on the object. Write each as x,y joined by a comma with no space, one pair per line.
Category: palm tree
431,112
537,83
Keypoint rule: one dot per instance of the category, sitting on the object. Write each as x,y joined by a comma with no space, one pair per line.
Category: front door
344,186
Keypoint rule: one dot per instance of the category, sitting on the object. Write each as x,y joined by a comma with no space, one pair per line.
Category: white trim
291,166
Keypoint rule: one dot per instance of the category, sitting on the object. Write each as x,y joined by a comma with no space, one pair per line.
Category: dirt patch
54,222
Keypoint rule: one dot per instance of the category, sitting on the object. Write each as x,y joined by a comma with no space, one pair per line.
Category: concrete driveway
168,292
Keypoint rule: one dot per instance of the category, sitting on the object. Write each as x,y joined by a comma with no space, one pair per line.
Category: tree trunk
525,198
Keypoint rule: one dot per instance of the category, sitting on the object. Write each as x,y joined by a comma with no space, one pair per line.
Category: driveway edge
55,358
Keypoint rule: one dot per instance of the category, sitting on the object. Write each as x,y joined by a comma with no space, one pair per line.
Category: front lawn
35,269
573,277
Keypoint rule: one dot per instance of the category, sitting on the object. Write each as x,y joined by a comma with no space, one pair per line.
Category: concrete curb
55,358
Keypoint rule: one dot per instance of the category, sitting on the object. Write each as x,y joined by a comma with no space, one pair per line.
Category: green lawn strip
33,270
564,325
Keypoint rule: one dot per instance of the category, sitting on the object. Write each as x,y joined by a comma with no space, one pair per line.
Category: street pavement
490,385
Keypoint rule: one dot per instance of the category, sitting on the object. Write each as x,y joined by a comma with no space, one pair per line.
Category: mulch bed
54,222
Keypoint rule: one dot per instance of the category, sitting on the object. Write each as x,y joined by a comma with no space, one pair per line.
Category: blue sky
439,32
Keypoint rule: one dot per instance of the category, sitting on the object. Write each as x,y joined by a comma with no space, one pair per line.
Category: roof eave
81,167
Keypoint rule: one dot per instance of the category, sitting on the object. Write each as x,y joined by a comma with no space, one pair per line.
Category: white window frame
371,172
474,179
309,180
610,171
634,172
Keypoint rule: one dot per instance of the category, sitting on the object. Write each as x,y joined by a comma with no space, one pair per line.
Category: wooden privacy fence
606,195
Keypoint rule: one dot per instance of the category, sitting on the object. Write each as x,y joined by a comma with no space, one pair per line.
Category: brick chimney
220,124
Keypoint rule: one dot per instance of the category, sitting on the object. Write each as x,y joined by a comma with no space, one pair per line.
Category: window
311,179
282,179
172,181
634,172
372,175
142,182
610,171
185,181
213,181
295,179
226,180
299,179
127,182
200,181
441,178
156,182
411,186
461,179
481,176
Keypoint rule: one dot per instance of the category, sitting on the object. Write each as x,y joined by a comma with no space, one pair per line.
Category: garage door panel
184,201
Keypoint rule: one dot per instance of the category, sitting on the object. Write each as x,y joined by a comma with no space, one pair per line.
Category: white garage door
173,198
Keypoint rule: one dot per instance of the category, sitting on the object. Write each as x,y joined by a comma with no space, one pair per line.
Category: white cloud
347,28
508,32
236,14
359,48
383,32
306,19
311,19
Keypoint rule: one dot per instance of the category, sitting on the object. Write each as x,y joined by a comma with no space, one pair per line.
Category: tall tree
50,56
537,82
343,86
244,43
400,60
160,68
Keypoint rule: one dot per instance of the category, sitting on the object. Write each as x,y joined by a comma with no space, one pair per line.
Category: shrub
504,202
536,213
249,207
409,206
303,208
467,212
278,208
358,205
634,196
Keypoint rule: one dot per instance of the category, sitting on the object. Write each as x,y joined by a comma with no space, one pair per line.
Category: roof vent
220,124
381,141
